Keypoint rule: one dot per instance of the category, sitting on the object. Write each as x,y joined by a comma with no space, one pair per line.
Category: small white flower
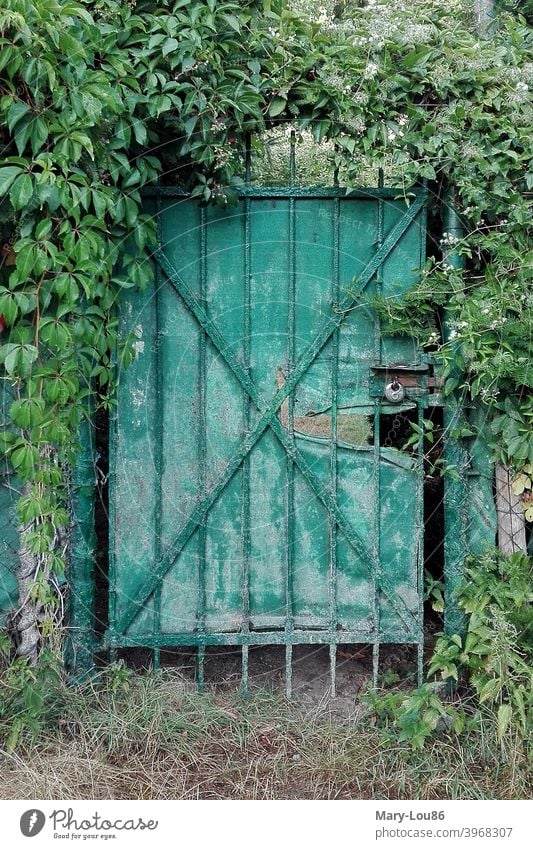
370,70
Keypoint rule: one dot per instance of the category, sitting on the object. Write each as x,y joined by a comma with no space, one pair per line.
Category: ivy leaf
27,412
21,191
43,229
7,175
17,110
18,357
39,134
169,46
277,106
233,22
25,458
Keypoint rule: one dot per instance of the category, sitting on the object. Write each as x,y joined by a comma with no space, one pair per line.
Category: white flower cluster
360,98
371,70
417,34
448,240
383,29
324,17
520,93
478,62
527,73
513,75
470,151
337,81
217,125
355,125
222,156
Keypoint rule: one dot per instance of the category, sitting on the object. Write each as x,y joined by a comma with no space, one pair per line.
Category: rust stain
351,429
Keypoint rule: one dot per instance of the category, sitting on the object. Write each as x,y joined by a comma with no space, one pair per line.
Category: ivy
98,100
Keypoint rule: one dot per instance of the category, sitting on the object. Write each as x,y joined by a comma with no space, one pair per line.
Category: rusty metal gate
254,498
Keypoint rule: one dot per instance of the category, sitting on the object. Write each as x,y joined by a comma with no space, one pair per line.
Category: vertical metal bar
378,277
111,510
291,326
248,159
377,541
200,665
244,671
333,669
336,169
420,540
81,644
455,456
202,447
292,159
377,453
245,500
335,297
159,444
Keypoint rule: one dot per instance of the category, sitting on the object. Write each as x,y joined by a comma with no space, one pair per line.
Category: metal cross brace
268,418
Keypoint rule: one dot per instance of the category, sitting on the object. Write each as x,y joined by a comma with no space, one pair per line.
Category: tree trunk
27,616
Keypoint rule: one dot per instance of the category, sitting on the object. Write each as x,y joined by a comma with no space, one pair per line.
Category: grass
131,736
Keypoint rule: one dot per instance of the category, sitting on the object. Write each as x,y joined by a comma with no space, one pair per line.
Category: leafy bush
494,659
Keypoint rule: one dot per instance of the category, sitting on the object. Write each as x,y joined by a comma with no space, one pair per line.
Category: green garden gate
252,500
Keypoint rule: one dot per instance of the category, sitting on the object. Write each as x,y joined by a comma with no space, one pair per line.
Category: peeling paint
138,346
315,524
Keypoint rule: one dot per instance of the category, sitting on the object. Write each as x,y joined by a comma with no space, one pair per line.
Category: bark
27,617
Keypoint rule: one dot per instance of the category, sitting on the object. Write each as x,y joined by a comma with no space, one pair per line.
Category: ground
146,735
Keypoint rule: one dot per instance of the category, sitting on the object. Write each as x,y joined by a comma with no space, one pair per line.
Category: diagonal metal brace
266,419
323,494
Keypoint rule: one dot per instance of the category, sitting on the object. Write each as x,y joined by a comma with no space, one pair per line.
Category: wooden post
511,522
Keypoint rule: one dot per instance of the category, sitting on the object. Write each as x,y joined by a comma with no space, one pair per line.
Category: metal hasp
252,501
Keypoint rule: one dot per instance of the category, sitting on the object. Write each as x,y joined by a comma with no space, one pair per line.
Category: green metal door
252,498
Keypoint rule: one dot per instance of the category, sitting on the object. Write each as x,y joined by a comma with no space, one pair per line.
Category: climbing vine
98,100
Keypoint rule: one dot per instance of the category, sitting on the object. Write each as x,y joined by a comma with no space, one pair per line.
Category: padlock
394,392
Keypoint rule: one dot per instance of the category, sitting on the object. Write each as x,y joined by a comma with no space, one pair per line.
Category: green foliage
28,698
417,716
434,592
98,100
495,658
512,428
522,486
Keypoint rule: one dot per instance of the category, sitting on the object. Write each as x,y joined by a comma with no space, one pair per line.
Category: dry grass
149,737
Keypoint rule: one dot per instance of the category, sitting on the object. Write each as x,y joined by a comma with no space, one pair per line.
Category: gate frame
83,642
